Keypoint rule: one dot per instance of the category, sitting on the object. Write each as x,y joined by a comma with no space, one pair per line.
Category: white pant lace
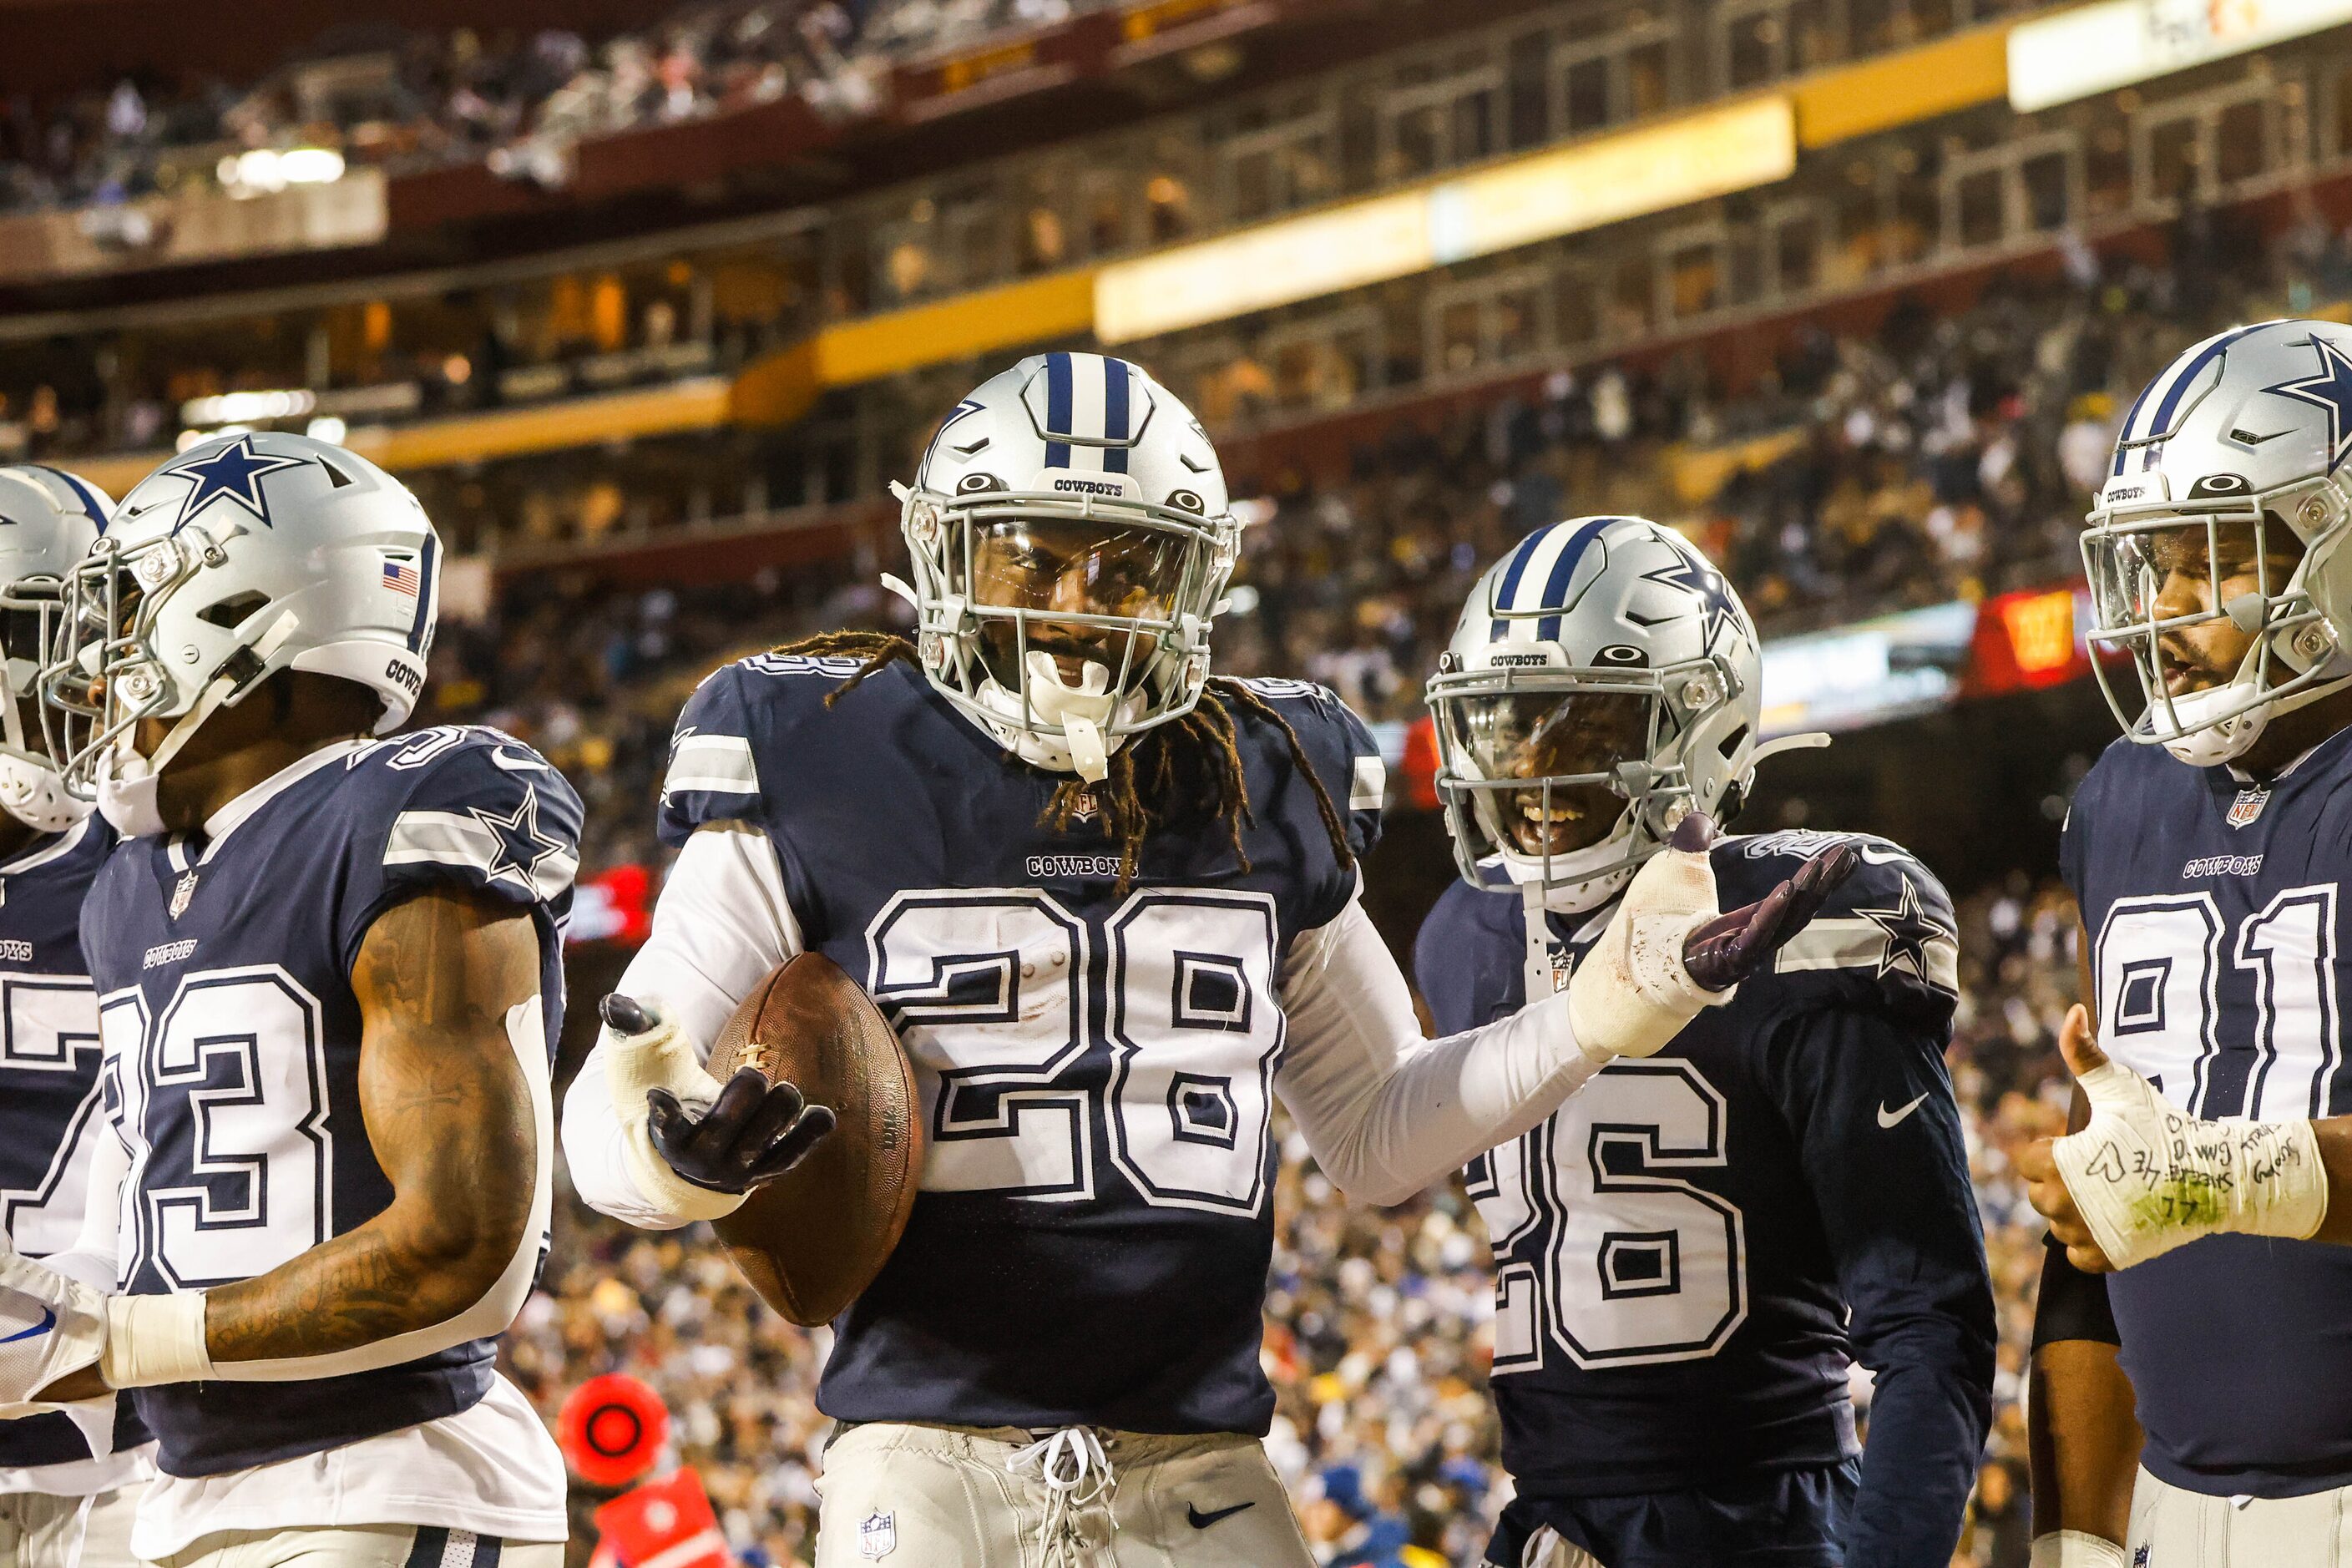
1076,1474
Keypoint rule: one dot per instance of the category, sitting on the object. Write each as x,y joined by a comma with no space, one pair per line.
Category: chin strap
1541,980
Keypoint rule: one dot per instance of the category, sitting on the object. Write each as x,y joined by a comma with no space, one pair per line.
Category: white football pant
924,1497
363,1546
38,1530
1545,1549
2171,1528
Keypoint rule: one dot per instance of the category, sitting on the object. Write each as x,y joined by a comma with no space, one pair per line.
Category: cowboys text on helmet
1070,542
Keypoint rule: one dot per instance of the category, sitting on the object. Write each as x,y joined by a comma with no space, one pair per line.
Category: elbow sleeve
2073,1305
490,1313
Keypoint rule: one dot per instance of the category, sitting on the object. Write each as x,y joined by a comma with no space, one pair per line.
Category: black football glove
1734,945
752,1133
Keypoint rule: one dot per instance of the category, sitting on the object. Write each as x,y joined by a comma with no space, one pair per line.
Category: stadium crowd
413,98
1932,460
1378,1328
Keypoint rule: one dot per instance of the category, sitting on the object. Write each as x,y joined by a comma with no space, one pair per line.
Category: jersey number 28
995,991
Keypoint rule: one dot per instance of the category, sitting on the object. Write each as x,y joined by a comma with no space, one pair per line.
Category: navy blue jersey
1678,1248
1091,1240
2219,955
223,973
51,1095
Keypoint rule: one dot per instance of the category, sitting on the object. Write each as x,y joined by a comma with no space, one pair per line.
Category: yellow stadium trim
1061,304
1953,73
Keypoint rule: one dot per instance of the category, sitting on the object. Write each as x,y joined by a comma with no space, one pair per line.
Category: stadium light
2097,48
1514,202
265,171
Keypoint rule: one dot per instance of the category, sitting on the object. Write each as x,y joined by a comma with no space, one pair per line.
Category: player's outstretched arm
1388,1112
2142,1177
453,1084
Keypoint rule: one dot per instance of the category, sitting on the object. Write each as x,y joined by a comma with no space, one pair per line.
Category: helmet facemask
2209,600
33,738
1572,777
106,675
1069,622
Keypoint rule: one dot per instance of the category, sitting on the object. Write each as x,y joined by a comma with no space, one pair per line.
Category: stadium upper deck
1525,193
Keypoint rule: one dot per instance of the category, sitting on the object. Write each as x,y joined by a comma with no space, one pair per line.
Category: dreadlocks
1180,774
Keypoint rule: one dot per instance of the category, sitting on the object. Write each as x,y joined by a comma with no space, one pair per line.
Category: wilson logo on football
2247,807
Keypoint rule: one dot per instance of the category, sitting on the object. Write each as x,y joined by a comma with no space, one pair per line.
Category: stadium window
2050,181
1576,313
1694,277
2174,151
2108,170
1755,48
1585,93
2243,139
1526,115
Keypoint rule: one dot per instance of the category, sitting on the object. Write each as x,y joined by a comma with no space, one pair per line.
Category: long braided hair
1179,773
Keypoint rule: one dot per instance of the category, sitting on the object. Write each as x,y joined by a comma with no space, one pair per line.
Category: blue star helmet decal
1693,576
234,471
2331,389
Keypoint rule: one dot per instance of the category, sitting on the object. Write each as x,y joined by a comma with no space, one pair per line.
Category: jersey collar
228,818
44,850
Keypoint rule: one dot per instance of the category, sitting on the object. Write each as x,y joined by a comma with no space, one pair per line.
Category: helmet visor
2196,601
1553,762
1082,591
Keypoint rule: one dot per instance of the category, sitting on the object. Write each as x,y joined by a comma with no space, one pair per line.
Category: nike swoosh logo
1894,1118
1203,1520
49,1320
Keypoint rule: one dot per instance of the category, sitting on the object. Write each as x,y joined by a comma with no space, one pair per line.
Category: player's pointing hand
1667,952
695,1145
2143,1177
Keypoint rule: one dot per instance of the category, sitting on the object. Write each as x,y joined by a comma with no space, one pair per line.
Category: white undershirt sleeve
1386,1112
722,923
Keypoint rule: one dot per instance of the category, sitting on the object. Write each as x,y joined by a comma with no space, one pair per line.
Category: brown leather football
813,1239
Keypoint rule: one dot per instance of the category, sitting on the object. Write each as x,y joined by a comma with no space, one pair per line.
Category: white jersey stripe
718,765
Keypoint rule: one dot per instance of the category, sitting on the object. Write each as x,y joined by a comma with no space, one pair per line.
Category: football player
2188,1410
327,968
1690,1251
65,1496
1110,903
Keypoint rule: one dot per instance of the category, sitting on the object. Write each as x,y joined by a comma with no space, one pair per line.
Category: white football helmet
1071,543
2247,431
244,555
1603,666
48,521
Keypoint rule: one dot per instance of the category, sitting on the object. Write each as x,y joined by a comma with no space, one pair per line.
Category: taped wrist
2076,1549
2147,1177
153,1340
1631,994
635,1065
2073,1305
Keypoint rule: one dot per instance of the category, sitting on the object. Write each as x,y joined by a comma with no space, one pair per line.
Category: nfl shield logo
1562,964
879,1536
182,893
1082,805
2248,806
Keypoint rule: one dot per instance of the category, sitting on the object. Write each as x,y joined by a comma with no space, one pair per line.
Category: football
810,1241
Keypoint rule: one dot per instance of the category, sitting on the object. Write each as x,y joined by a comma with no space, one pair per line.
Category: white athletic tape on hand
2147,1177
1631,994
661,1057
